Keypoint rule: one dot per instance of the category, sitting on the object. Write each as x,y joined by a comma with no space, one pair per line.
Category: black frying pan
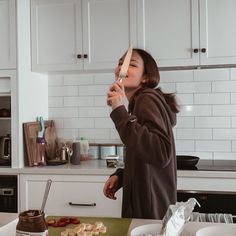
186,162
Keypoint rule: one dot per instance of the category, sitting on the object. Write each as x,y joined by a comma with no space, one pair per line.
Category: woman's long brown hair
152,74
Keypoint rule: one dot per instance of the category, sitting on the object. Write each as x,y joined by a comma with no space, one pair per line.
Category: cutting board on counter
115,226
30,131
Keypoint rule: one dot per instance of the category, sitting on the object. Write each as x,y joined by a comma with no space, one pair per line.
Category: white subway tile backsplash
233,98
55,102
93,111
213,98
67,134
212,122
226,110
62,91
233,73
204,155
168,87
234,147
194,134
93,90
211,74
104,78
206,123
63,112
100,101
71,123
213,146
224,134
78,101
77,79
224,155
176,76
114,135
103,123
233,122
55,80
195,110
185,122
226,86
201,155
94,135
193,87
184,146
184,98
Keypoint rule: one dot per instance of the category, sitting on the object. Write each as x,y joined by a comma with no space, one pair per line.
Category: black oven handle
6,191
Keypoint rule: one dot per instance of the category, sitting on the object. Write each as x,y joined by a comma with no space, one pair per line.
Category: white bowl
218,230
146,229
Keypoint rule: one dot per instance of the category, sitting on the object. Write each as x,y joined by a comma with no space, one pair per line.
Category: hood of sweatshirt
160,96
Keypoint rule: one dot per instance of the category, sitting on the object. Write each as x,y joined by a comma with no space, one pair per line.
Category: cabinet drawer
5,85
67,197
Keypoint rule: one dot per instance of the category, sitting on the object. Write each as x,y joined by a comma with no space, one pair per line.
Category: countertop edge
98,167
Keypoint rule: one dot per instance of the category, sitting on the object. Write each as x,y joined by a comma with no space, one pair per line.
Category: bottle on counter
84,149
40,159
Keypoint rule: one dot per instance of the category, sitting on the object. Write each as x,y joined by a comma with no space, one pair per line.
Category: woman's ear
144,80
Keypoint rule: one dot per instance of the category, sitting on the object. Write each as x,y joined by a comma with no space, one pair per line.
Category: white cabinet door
7,34
80,35
169,31
56,34
218,32
85,193
107,31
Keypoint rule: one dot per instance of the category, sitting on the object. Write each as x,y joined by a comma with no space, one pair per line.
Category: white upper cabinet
218,32
169,31
188,32
80,34
7,34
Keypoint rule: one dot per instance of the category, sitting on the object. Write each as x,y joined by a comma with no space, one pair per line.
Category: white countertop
98,167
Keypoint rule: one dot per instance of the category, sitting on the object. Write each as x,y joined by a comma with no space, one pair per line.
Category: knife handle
82,204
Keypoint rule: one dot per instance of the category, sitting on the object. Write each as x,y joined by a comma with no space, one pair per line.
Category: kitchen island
83,184
8,222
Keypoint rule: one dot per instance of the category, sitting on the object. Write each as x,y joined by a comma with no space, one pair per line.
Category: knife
42,127
125,65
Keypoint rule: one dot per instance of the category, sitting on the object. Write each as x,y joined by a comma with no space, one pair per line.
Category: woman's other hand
110,187
116,95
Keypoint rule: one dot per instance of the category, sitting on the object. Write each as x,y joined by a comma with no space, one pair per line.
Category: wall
206,124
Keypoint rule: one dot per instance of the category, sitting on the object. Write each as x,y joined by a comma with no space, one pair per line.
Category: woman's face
134,77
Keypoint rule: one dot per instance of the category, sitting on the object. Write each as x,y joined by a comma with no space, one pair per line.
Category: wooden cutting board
30,131
115,226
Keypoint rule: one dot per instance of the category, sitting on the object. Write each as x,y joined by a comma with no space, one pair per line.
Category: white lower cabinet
77,195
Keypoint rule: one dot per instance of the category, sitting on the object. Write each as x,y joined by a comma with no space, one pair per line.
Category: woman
149,176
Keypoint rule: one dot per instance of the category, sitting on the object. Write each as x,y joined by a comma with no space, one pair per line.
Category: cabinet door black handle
79,56
203,50
195,50
82,204
85,55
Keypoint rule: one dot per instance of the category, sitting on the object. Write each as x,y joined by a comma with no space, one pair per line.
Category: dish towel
211,217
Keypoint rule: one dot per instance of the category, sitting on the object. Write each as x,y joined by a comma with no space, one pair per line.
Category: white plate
153,229
219,230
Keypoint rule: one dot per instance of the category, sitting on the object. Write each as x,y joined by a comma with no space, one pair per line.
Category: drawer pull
82,204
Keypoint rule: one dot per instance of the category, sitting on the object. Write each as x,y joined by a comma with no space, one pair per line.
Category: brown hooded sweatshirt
149,178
